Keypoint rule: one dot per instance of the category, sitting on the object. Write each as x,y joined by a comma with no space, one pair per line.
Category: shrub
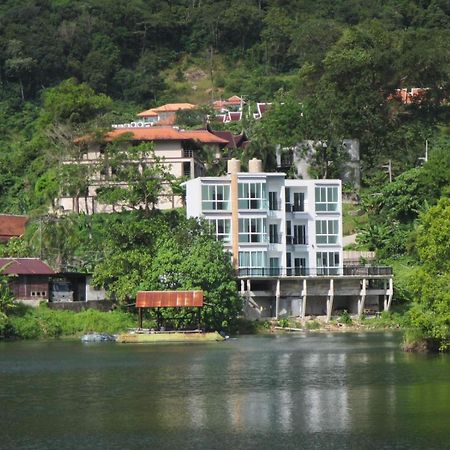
345,318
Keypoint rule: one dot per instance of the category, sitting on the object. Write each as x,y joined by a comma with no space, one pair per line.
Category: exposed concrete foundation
315,296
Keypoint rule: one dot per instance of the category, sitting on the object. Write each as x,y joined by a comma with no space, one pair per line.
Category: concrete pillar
242,287
385,296
390,293
362,298
304,295
330,299
277,298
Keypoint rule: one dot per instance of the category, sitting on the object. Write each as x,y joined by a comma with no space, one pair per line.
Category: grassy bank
42,323
385,321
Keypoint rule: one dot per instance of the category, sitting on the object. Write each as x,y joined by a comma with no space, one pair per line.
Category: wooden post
140,317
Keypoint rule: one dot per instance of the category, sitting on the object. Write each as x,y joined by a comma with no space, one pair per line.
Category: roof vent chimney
233,166
255,165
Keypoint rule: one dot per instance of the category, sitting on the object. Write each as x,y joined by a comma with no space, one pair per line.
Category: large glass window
252,262
299,234
221,229
252,195
327,198
299,201
327,263
252,230
273,201
215,197
327,231
274,238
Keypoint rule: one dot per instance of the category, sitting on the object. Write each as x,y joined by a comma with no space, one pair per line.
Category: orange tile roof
166,134
169,107
11,226
148,113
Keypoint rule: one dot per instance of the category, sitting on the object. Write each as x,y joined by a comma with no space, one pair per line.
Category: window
288,264
274,265
252,263
299,201
300,234
300,266
327,231
273,201
221,228
288,232
273,234
288,206
327,263
215,197
326,198
252,230
252,195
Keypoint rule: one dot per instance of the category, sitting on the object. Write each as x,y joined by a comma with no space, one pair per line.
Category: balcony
357,271
292,240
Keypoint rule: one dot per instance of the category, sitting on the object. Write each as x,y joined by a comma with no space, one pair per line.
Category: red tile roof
166,134
24,266
11,226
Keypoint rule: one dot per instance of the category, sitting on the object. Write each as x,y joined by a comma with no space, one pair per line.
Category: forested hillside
330,66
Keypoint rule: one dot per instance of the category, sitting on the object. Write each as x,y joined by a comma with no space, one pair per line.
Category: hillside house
179,150
11,226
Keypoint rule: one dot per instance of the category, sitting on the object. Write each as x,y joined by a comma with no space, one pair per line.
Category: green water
316,391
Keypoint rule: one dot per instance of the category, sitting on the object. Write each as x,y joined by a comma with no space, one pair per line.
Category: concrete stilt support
242,287
385,296
362,298
330,299
390,293
277,298
304,295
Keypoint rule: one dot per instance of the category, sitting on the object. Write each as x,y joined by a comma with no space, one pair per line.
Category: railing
368,270
313,271
298,208
292,240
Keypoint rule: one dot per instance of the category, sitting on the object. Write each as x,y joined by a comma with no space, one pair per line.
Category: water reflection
250,393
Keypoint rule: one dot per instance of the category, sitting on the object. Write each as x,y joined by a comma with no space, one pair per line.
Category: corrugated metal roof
169,299
24,266
11,225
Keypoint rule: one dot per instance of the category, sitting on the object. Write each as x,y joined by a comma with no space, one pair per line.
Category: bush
42,322
345,318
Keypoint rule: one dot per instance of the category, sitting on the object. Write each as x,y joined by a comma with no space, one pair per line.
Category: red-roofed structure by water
29,278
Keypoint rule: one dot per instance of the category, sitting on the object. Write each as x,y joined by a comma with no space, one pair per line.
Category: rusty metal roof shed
24,266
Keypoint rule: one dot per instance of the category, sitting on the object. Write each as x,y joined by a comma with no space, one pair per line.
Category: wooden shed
30,280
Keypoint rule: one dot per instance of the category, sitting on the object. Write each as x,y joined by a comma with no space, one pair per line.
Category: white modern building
271,225
285,237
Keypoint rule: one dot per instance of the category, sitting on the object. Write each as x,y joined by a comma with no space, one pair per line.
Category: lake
303,391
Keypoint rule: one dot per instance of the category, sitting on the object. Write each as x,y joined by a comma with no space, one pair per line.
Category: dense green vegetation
331,69
329,66
134,251
40,323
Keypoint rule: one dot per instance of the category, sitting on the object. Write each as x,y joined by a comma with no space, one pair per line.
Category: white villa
271,225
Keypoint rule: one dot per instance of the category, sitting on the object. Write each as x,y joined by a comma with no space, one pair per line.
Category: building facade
178,150
271,225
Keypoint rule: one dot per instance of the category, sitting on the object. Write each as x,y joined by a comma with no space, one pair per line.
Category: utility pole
388,168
